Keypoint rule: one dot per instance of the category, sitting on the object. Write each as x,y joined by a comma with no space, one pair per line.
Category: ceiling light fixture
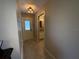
30,10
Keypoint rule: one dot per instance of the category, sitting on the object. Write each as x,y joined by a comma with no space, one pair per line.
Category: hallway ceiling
36,3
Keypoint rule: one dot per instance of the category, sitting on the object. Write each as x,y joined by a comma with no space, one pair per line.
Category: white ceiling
37,3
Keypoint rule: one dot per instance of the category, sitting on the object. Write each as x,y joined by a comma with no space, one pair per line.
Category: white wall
20,29
62,28
8,26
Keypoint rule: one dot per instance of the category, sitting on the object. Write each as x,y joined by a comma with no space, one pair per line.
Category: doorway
28,26
41,25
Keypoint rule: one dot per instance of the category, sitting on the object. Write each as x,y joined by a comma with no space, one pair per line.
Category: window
27,25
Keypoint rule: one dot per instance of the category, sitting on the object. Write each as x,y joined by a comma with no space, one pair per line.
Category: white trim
49,53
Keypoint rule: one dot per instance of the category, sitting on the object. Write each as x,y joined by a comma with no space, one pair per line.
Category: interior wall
62,28
19,17
28,34
8,27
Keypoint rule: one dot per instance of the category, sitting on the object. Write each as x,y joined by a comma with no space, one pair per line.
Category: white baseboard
27,40
49,53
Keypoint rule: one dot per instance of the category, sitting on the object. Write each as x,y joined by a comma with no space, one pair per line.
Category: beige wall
8,27
62,28
28,34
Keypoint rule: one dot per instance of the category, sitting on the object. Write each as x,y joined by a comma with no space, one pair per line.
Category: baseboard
49,53
27,40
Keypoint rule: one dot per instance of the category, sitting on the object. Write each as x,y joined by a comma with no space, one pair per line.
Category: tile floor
34,50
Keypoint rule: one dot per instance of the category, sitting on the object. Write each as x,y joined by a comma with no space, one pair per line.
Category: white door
28,28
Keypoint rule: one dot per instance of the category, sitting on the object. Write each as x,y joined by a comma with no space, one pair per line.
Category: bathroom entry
41,25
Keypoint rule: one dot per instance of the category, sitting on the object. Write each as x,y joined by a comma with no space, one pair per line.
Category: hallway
34,50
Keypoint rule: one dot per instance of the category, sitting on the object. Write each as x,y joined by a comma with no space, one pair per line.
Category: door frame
40,13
